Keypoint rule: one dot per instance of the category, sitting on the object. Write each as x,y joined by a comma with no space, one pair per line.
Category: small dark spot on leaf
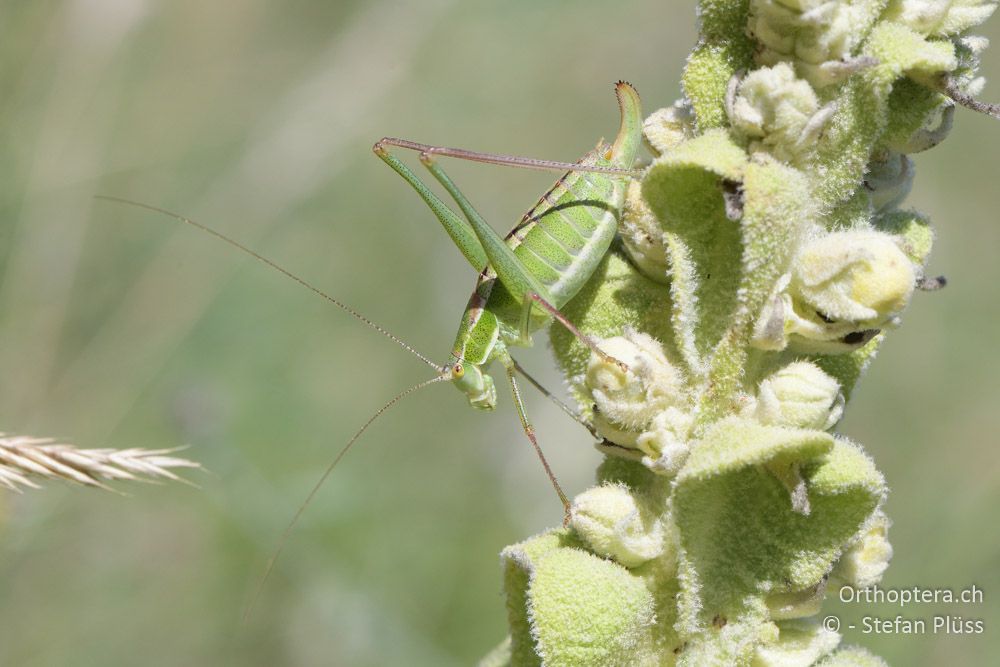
859,337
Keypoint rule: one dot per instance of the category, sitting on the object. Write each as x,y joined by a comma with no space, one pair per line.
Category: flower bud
665,128
778,111
799,395
665,444
627,401
844,287
939,18
817,36
610,521
853,276
864,563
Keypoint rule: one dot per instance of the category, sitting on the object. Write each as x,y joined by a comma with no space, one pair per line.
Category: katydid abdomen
559,242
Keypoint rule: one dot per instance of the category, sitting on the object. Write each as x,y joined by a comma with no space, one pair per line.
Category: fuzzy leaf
848,368
709,69
683,188
777,209
852,656
741,537
913,231
724,49
574,608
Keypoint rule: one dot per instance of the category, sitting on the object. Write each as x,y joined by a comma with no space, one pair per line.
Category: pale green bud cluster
778,112
665,442
843,288
627,403
864,563
642,236
819,37
799,395
642,409
764,254
940,18
615,525
666,128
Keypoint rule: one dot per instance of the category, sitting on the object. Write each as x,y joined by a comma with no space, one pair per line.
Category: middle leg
510,366
555,399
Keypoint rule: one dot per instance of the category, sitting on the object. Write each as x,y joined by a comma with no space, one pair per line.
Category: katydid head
474,383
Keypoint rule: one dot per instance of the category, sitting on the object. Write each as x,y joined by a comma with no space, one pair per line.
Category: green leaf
723,50
777,209
570,607
684,190
740,535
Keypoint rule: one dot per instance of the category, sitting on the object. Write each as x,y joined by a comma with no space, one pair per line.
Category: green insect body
524,278
543,261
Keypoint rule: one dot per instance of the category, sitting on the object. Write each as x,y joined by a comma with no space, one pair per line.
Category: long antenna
326,473
239,246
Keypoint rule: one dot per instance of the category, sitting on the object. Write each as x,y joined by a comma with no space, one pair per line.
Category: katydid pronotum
524,278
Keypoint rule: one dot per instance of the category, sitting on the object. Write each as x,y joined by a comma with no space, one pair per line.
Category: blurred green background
121,328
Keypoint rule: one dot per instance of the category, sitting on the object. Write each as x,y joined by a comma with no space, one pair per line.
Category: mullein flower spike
765,255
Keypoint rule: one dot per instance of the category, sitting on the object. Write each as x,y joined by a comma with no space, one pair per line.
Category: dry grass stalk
24,458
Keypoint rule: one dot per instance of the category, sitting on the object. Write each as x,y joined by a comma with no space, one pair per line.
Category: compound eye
458,370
